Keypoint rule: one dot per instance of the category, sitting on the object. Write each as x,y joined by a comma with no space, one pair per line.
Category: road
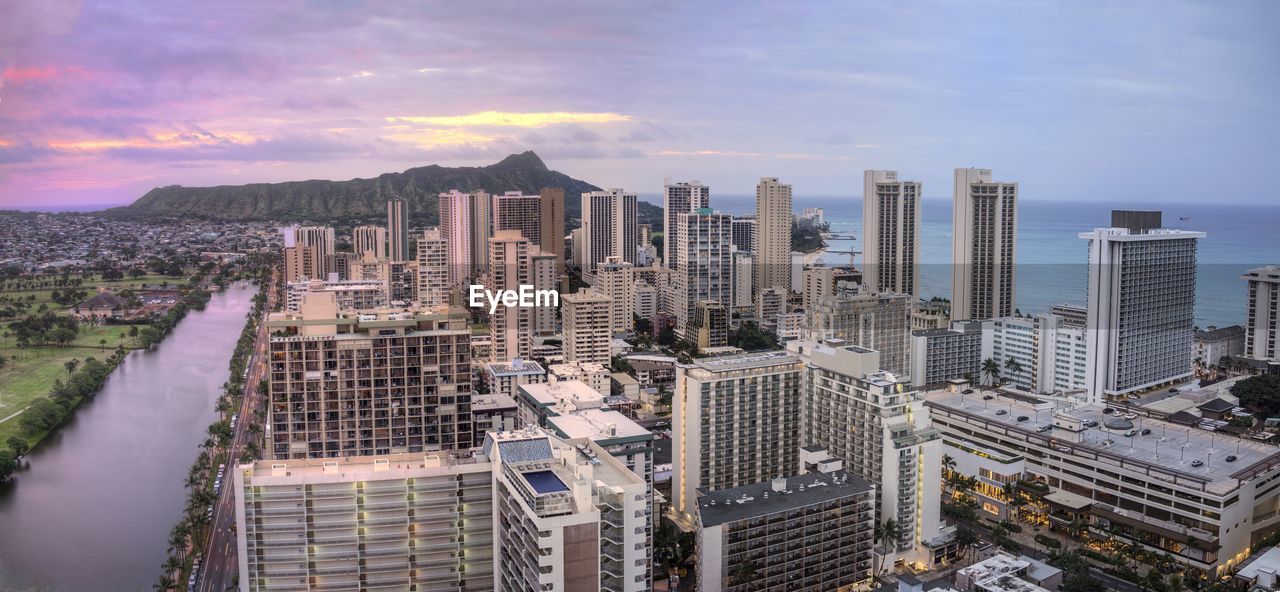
220,564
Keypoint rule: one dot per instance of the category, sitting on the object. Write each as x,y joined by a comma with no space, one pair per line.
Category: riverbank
34,390
119,463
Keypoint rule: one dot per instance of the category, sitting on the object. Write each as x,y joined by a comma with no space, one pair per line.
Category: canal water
94,510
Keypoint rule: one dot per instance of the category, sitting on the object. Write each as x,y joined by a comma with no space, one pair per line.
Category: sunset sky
100,100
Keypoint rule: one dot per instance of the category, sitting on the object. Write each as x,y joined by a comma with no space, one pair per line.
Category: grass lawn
34,372
44,295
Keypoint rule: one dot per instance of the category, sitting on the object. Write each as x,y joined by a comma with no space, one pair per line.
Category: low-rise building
504,377
1213,343
493,413
597,376
1198,496
536,402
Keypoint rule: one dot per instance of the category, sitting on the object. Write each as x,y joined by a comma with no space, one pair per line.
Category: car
1197,463
987,397
1146,431
1002,412
1045,428
222,466
1108,411
1131,433
1023,418
1089,423
1230,458
967,391
1131,416
1063,449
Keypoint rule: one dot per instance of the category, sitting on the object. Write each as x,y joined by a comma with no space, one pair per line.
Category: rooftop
544,482
596,424
550,393
1220,333
749,361
491,402
1168,446
760,499
516,367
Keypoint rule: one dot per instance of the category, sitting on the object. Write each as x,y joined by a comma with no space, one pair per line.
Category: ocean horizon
1051,256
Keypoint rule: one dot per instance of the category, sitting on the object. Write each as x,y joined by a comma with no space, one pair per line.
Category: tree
164,583
1013,366
744,573
71,366
102,344
1260,394
8,464
886,533
991,370
750,337
18,446
965,540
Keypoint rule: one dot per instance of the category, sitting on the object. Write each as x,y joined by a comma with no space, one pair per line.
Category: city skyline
99,104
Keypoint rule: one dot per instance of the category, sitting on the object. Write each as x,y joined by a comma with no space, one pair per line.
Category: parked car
1002,412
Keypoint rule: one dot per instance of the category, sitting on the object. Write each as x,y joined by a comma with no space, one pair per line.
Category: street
220,565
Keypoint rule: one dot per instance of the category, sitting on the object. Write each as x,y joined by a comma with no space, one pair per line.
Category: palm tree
1175,583
171,564
163,584
71,366
886,533
1013,366
991,370
102,344
965,539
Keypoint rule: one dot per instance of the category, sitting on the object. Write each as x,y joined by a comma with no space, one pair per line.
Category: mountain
359,200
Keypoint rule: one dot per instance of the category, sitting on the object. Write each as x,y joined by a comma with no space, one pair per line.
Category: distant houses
103,305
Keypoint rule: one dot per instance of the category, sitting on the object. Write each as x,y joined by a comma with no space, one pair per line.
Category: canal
94,510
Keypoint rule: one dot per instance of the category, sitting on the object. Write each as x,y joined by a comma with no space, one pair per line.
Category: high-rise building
873,422
881,322
770,303
1048,356
646,302
709,326
348,294
772,528
679,198
481,229
984,234
772,240
720,440
376,383
701,246
398,229
299,264
608,227
891,233
510,327
615,280
567,516
551,223
544,272
515,211
1142,298
455,229
940,355
823,280
586,320
339,264
1262,324
744,232
433,269
321,243
742,266
526,511
369,239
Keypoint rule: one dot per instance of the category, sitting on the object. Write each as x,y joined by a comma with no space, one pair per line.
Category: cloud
512,119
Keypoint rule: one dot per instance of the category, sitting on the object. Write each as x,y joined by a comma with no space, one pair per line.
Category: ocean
1051,258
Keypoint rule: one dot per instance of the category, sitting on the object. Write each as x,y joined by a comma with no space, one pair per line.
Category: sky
1160,101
